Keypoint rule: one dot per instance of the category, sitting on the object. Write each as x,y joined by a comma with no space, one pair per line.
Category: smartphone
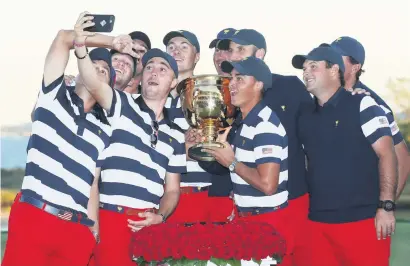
103,23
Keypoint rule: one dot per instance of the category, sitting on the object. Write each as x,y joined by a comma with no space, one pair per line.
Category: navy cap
349,46
104,55
134,60
320,53
249,37
250,66
222,35
155,52
183,33
139,35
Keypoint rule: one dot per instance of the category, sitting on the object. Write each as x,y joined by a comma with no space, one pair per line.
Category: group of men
107,155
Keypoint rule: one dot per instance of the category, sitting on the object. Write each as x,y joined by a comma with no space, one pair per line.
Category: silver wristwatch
232,165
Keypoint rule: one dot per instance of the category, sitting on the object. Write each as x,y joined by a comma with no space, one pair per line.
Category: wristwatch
387,205
232,165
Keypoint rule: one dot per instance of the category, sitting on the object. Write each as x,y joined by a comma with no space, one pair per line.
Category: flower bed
179,244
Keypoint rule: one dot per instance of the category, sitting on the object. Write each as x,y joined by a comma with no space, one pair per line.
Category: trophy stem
210,129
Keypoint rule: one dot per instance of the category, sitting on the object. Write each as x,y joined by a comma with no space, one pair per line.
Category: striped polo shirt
397,136
343,168
133,172
260,138
64,146
195,175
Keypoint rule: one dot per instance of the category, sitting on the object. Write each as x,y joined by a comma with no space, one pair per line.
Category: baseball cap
320,53
155,52
222,35
134,60
104,55
349,46
139,35
250,66
248,37
183,33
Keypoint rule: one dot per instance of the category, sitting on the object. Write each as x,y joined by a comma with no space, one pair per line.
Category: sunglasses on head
154,134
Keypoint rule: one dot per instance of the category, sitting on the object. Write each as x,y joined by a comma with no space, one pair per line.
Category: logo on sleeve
336,123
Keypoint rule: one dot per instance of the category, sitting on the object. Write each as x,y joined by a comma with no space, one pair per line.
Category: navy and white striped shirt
63,148
260,138
195,176
343,171
397,136
133,173
373,119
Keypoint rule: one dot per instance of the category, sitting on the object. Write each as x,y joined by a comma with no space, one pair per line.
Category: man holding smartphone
54,218
146,151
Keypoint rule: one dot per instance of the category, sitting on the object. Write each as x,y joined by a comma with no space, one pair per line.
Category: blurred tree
399,95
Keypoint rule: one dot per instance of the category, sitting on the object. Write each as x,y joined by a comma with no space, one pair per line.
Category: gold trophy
206,104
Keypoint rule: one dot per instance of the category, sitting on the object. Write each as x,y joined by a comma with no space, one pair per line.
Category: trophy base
196,153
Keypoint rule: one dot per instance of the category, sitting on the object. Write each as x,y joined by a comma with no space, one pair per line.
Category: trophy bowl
206,104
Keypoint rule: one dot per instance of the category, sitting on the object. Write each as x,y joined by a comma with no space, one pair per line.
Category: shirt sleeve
373,120
118,101
177,162
53,88
101,157
395,131
269,143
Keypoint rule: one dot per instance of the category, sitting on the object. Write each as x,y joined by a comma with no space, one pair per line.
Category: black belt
257,211
71,216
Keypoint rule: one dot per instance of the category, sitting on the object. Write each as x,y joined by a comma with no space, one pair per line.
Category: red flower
236,240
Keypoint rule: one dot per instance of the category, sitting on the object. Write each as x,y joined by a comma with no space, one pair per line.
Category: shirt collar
334,100
251,115
97,110
144,107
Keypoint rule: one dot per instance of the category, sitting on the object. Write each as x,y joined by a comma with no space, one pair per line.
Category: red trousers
198,207
351,244
280,220
115,239
37,238
299,209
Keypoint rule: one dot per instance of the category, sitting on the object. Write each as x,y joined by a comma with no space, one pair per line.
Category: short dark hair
341,74
355,62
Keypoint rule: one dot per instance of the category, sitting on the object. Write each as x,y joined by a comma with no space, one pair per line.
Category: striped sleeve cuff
373,120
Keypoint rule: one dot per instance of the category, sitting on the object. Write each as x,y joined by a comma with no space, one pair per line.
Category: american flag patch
394,128
267,150
65,215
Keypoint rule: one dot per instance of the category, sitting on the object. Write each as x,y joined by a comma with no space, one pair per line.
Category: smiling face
318,77
183,52
124,68
243,88
157,79
219,57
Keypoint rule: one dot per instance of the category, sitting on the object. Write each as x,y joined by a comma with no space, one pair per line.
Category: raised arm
101,91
